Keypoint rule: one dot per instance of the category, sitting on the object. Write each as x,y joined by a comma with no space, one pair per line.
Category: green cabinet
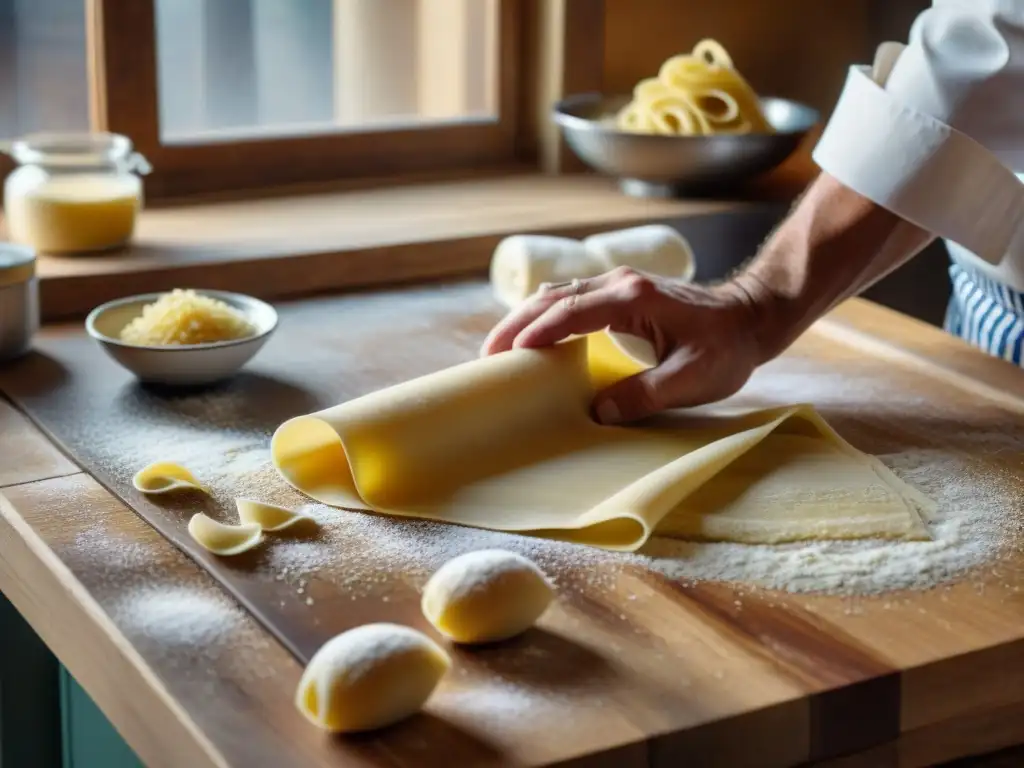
46,719
88,738
29,701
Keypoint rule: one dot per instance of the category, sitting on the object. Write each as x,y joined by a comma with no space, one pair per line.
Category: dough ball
521,263
370,677
484,596
655,248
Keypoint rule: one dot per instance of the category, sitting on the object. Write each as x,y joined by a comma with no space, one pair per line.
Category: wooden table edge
981,737
41,587
890,334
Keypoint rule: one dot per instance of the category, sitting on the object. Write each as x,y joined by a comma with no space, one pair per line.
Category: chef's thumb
674,382
631,399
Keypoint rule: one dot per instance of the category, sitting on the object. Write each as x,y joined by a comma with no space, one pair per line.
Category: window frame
122,73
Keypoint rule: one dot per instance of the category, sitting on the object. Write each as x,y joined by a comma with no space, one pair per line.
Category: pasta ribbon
221,538
269,517
166,477
696,94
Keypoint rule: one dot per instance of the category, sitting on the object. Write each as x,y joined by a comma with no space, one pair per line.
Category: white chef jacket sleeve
924,143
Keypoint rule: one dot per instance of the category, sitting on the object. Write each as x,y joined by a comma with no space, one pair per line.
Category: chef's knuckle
620,274
636,287
565,309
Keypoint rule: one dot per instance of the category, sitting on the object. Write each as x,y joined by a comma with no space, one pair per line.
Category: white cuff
921,169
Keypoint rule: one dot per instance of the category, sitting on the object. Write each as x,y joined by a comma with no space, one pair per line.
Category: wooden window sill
325,242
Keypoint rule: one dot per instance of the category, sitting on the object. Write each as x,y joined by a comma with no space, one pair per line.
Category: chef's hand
709,340
704,337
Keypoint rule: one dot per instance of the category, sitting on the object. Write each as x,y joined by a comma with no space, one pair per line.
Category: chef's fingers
588,313
675,383
622,302
503,335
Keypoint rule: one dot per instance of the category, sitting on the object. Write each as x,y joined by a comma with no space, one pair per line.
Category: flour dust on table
179,616
130,576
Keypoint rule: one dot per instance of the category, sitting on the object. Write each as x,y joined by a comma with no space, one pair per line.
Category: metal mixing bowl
655,165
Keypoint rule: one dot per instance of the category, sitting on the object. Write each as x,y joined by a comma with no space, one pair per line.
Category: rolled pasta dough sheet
636,347
506,442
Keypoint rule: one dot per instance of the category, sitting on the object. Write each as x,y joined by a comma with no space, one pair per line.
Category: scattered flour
975,524
495,701
110,555
186,613
179,616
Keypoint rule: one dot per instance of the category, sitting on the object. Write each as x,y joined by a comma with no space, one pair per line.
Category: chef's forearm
833,245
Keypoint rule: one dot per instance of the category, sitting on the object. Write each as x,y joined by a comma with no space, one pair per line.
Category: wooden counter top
73,558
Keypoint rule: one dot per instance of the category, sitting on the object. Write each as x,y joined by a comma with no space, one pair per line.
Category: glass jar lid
78,150
17,264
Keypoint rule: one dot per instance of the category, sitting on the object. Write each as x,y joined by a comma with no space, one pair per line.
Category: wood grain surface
628,666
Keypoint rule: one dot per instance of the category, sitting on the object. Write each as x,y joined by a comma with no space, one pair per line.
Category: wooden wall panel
563,54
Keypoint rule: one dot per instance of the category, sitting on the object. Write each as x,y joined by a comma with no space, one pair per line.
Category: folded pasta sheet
507,443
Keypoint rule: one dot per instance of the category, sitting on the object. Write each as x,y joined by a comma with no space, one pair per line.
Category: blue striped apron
986,313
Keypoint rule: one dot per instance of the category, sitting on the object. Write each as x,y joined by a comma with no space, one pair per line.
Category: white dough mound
370,677
486,596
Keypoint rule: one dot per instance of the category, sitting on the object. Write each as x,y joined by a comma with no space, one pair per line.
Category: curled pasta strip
269,517
683,71
223,539
657,108
678,118
694,94
649,89
713,52
718,106
165,477
633,117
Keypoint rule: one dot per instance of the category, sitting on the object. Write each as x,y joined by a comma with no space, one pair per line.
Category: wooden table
71,554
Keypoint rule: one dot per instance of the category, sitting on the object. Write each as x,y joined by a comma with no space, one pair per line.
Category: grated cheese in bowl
185,317
184,337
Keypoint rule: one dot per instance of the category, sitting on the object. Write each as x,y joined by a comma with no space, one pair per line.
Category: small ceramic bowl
186,364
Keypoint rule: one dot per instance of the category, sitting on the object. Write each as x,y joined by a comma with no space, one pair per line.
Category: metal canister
19,300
